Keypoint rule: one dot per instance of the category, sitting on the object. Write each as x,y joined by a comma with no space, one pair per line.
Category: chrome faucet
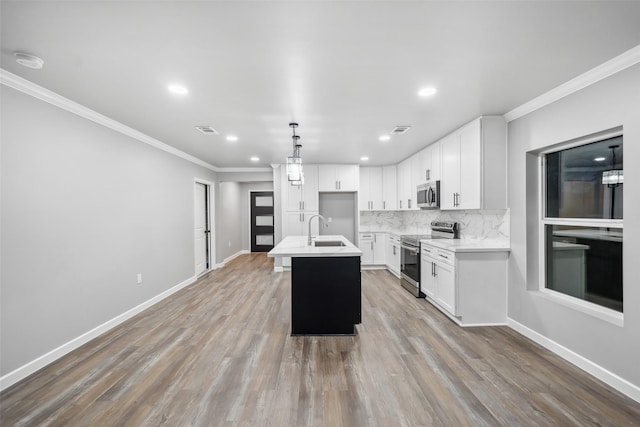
320,218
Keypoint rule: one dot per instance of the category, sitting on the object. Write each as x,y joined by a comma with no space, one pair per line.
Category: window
582,221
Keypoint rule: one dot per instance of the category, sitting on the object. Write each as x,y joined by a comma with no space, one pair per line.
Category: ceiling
347,72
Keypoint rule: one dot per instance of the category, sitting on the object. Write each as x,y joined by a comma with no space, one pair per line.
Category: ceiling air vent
399,130
207,130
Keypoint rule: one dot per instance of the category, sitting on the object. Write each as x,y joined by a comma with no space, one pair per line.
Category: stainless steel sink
328,243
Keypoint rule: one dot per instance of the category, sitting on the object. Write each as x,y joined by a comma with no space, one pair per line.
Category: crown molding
230,170
28,87
609,68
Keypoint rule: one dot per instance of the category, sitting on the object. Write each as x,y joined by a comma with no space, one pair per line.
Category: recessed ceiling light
255,159
384,138
364,158
427,91
178,90
600,159
28,60
232,138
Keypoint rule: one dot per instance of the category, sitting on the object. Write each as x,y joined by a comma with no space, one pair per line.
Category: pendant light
613,177
294,162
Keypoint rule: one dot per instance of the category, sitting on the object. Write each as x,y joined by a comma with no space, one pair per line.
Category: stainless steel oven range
410,253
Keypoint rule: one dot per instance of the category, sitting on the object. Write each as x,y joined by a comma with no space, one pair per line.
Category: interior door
261,221
201,228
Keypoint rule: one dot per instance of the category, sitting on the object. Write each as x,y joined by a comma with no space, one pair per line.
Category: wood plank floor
218,353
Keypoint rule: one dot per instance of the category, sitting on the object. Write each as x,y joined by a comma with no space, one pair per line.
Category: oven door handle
413,249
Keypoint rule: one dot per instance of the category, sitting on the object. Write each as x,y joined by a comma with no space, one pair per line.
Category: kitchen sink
328,243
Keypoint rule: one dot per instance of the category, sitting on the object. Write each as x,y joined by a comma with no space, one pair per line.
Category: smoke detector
28,60
207,130
399,130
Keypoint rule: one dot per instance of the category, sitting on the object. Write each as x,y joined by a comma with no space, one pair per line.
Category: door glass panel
264,239
264,221
264,201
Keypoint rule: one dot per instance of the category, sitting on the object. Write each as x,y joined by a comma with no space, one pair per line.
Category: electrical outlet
139,278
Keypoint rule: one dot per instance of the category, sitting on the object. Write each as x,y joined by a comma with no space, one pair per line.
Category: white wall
607,104
84,209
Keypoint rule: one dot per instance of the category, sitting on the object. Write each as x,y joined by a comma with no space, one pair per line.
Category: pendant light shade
294,162
613,177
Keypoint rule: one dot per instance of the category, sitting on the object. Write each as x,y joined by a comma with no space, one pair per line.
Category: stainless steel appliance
410,253
428,195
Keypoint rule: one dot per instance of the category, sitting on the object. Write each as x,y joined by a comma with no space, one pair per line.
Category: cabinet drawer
429,250
446,257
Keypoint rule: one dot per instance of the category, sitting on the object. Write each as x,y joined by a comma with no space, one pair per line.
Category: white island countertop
297,246
469,245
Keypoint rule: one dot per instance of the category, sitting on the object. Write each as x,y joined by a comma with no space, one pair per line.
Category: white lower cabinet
373,247
437,277
393,254
469,287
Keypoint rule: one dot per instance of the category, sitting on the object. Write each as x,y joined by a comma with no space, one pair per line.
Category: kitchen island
325,284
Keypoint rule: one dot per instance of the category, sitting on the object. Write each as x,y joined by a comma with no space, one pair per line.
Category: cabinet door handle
435,271
303,205
384,205
371,245
400,204
428,174
394,250
409,204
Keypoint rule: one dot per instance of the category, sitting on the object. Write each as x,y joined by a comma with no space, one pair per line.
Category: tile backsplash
474,224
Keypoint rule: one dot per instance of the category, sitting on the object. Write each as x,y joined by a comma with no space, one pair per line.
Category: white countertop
296,246
469,245
591,233
564,246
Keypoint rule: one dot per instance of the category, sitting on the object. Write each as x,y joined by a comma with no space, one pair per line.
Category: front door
261,221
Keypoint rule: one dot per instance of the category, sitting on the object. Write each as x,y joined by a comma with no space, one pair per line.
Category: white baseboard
615,381
236,255
44,360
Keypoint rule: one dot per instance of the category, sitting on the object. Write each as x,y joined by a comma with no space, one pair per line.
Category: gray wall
84,209
233,221
229,223
607,104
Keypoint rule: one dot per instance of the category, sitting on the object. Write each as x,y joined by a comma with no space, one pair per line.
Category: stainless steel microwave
428,196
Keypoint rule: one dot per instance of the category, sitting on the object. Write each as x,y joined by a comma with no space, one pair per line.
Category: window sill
603,313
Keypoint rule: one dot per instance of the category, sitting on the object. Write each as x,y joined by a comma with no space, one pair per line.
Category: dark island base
325,295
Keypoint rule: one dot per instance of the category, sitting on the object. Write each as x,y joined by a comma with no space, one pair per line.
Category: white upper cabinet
474,166
389,188
416,175
303,197
370,195
404,185
431,163
338,177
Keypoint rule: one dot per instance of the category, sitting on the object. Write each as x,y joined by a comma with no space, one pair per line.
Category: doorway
202,227
261,221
